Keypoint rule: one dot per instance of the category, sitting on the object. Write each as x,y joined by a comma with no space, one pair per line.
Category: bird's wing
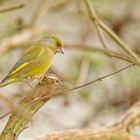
33,53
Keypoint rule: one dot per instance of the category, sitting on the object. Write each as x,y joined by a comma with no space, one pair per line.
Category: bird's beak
60,50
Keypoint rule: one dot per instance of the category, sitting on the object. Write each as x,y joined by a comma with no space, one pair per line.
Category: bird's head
54,43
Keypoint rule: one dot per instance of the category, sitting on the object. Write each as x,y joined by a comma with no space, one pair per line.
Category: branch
109,133
5,115
116,38
8,101
99,32
131,118
119,131
8,9
19,40
28,107
63,92
101,38
59,5
24,37
99,50
16,40
99,79
39,10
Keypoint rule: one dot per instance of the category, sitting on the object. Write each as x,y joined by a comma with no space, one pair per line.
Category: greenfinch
35,62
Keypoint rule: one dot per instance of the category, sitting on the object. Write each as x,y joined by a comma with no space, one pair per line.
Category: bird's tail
6,81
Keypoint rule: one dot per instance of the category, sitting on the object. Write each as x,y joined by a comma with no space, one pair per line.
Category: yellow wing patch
20,67
25,60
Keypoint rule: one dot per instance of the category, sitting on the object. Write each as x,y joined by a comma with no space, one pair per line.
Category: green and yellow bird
35,62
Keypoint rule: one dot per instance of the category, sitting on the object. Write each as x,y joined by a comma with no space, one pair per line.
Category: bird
35,61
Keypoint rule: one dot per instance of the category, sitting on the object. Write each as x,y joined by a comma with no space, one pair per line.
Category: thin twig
99,32
101,39
5,115
84,70
116,38
37,13
59,5
8,101
84,85
97,49
12,106
8,9
99,79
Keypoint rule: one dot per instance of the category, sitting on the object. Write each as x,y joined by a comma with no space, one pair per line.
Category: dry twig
29,105
63,92
9,9
119,131
116,38
38,12
5,115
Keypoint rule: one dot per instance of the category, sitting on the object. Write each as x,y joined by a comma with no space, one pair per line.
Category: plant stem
27,108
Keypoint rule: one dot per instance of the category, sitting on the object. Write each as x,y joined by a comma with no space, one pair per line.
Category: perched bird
35,62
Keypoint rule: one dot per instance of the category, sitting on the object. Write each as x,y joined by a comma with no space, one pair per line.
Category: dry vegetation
97,79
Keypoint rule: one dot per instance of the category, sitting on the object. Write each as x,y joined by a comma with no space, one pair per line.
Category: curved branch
110,133
116,38
119,131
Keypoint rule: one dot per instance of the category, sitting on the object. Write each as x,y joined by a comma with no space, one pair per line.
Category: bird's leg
25,81
29,84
